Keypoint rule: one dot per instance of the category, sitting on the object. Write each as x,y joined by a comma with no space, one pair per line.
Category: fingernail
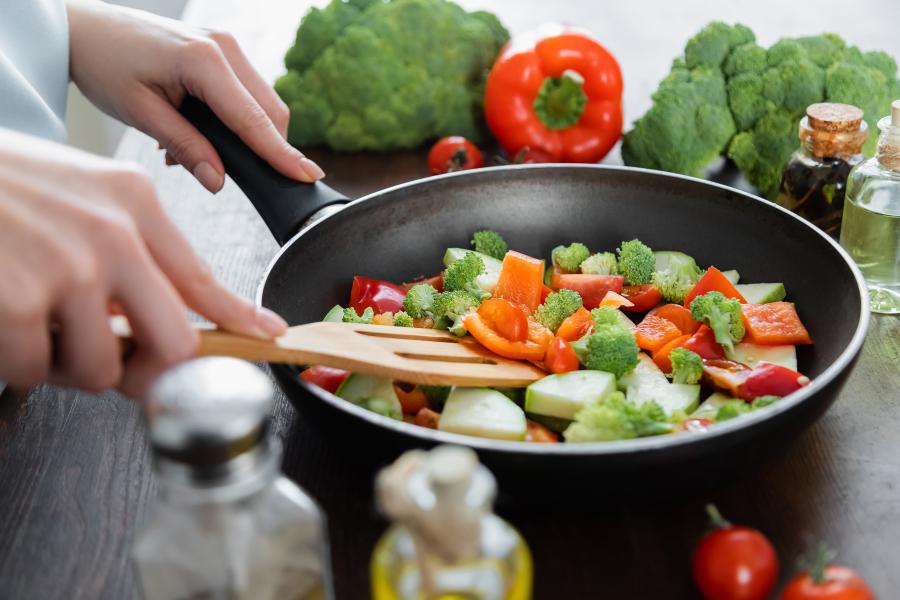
209,177
314,171
270,323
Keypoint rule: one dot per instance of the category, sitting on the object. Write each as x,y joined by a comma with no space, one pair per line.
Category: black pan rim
639,445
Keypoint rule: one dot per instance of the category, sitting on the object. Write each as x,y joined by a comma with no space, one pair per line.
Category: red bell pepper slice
704,344
713,281
327,378
437,282
768,379
558,91
725,375
775,323
521,280
643,297
561,357
381,296
592,288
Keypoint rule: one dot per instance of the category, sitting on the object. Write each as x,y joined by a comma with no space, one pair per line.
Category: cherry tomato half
561,357
453,153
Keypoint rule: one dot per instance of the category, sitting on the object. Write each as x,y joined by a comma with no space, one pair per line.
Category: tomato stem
716,517
458,160
560,101
816,563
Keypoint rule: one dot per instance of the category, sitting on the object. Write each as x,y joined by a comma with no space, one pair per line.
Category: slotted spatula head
414,355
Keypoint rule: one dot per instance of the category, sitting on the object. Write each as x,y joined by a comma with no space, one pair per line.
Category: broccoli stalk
419,300
602,263
636,262
569,258
490,243
612,349
723,315
617,419
687,366
557,307
449,309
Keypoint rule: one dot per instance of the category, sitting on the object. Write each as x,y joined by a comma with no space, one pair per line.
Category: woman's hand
80,234
138,67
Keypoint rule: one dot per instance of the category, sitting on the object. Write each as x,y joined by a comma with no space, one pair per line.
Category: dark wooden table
75,472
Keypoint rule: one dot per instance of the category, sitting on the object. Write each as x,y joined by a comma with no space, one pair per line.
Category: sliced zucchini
762,293
483,412
711,406
732,276
373,393
563,395
751,354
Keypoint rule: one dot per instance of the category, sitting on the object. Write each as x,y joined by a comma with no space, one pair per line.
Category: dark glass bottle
815,178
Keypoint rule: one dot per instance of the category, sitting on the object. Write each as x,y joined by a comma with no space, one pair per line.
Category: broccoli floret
731,409
388,74
350,316
449,308
569,258
419,300
676,280
606,316
402,319
490,243
713,43
723,315
687,366
763,401
617,419
461,274
636,262
557,307
602,263
610,349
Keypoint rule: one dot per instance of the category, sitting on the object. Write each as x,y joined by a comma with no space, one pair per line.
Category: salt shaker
228,525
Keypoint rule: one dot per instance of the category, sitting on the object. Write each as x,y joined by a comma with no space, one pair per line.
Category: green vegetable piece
449,308
732,409
602,263
483,412
557,307
560,101
490,243
462,274
610,349
351,316
373,393
617,419
436,395
675,275
764,401
606,316
564,394
402,319
723,315
687,366
335,315
569,258
419,300
636,262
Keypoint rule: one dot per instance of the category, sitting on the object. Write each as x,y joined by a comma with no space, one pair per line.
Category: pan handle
283,203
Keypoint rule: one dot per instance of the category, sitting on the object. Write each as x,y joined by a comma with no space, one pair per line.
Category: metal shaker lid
208,411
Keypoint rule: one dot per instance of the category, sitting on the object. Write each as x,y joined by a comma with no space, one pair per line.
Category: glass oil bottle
814,181
228,525
871,232
446,543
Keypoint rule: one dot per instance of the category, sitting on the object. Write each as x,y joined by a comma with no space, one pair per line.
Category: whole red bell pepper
556,90
382,296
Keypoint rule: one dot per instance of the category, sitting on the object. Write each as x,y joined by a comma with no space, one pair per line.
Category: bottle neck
888,151
236,479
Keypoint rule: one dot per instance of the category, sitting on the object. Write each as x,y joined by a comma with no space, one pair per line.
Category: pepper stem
560,101
716,517
816,562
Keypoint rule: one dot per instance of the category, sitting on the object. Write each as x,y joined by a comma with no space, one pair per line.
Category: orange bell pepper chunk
496,343
774,323
615,300
427,418
678,315
521,280
661,356
540,434
655,332
576,326
505,318
412,398
713,281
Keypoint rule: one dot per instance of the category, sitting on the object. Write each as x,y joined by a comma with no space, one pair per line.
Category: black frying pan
401,233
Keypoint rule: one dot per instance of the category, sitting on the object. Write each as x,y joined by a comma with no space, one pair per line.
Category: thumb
183,143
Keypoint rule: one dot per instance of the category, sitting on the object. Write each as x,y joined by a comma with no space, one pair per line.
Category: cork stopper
834,117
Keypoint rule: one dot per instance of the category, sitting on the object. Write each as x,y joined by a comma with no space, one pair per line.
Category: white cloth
34,67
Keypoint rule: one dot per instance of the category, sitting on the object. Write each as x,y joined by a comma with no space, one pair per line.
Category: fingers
25,354
211,78
183,143
261,91
87,354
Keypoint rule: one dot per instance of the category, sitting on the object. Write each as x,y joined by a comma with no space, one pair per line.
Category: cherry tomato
505,318
561,357
327,378
453,153
834,583
734,563
643,297
382,296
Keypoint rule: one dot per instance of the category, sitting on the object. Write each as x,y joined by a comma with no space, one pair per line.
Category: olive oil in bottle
446,543
871,230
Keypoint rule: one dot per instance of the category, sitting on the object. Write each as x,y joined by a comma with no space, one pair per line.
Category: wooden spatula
406,354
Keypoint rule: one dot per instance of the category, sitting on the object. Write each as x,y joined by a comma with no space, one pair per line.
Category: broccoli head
388,74
677,279
490,243
611,349
449,308
636,262
402,319
419,300
723,315
351,316
735,408
557,307
569,258
617,419
602,263
687,366
461,274
606,316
